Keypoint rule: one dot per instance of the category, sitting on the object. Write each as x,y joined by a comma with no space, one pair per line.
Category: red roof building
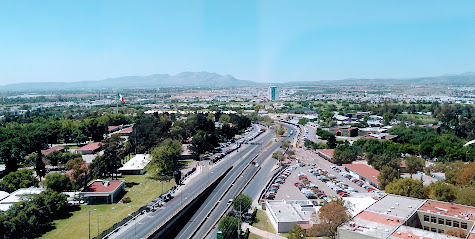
111,129
364,172
126,131
102,192
90,148
326,154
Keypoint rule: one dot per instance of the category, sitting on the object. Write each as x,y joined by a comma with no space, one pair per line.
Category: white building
136,165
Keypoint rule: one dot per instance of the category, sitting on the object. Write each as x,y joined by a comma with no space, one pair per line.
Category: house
102,192
112,129
91,148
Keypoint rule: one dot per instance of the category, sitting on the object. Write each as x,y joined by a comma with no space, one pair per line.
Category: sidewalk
260,232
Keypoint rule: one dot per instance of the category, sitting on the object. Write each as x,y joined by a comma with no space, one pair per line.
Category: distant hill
462,79
184,79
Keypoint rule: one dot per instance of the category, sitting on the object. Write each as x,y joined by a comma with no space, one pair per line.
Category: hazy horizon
262,41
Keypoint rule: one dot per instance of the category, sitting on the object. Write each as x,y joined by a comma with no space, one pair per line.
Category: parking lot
312,177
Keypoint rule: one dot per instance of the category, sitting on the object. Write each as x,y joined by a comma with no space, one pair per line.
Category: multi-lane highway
148,222
216,204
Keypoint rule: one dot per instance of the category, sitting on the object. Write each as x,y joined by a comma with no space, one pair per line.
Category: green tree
441,191
297,233
466,196
165,156
387,175
57,182
229,226
345,154
278,155
20,179
202,142
242,203
414,164
407,187
113,153
79,170
331,142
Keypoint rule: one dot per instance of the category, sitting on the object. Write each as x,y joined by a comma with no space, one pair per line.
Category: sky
263,41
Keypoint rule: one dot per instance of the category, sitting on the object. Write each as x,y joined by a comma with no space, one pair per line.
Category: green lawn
262,222
254,236
141,190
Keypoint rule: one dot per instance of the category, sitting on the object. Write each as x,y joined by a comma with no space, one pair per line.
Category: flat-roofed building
102,192
18,196
136,165
403,217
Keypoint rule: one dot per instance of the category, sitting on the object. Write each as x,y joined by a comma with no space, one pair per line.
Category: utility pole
89,212
100,215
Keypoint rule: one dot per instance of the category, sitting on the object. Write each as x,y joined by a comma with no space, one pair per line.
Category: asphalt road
199,224
147,223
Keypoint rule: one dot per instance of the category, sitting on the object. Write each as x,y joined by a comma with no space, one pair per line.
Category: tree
278,155
387,175
441,191
57,182
466,176
203,141
40,166
165,156
331,215
297,233
242,203
20,179
414,164
79,170
113,153
407,187
331,142
466,196
54,157
346,154
229,226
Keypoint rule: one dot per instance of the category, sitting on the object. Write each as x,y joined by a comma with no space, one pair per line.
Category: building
396,216
102,192
363,172
112,129
126,131
273,93
136,165
17,196
327,154
91,148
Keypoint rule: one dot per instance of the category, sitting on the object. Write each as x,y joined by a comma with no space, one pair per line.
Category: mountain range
213,80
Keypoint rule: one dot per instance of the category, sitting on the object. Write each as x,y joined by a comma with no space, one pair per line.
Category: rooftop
395,206
51,149
100,186
138,162
112,128
91,146
327,152
448,209
365,171
18,196
372,224
126,131
290,211
412,232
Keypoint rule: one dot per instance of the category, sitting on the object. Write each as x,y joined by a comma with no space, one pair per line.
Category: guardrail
149,234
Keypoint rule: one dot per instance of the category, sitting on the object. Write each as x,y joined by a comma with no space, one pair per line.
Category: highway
147,223
217,203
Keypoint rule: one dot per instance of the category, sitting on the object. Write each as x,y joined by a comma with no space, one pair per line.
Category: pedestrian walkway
260,232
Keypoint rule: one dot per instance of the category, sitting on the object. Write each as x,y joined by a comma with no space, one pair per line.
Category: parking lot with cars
314,178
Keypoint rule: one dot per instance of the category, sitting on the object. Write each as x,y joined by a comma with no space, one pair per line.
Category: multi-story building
273,93
402,217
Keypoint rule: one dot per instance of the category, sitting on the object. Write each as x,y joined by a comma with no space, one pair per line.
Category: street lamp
89,211
100,215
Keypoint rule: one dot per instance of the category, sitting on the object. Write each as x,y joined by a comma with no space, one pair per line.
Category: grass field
262,222
141,190
254,236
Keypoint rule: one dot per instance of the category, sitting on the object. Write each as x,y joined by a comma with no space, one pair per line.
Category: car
230,201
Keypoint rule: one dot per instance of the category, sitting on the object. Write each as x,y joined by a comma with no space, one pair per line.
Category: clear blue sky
265,41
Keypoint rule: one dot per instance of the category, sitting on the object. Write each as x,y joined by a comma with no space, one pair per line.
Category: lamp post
89,211
100,215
